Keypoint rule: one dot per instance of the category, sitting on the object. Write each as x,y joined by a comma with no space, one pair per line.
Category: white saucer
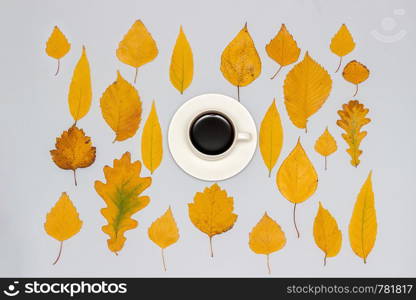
199,165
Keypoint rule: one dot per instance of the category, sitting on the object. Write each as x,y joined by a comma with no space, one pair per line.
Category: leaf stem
325,163
270,173
75,177
163,259
135,75
356,90
268,264
210,246
238,93
326,255
57,69
294,220
339,65
59,254
277,72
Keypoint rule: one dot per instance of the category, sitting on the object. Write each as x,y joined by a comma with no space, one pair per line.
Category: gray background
34,111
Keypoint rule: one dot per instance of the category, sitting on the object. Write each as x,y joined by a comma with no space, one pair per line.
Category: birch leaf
283,49
152,146
240,62
353,118
363,224
73,150
182,63
121,193
271,137
326,145
80,92
355,72
266,237
137,47
342,43
212,212
164,232
121,108
306,88
62,222
57,46
326,233
297,179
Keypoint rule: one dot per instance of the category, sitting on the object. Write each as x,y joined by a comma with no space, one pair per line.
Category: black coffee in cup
212,133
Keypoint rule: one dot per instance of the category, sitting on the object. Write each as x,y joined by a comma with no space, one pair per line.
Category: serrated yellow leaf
212,212
62,222
363,224
342,43
326,145
297,179
240,62
164,232
152,146
326,233
121,193
80,92
355,72
283,49
73,150
353,118
306,88
182,63
271,137
137,47
266,237
121,108
57,46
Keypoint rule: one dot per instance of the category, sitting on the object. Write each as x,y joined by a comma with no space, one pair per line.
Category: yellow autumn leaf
363,224
80,92
57,46
212,212
306,88
342,43
121,193
326,233
283,49
326,145
266,237
181,69
355,72
297,179
152,146
137,47
353,118
121,108
164,232
73,150
271,137
62,222
240,62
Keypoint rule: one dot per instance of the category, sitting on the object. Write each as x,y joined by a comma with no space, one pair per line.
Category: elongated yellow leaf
240,62
137,47
80,92
57,46
271,137
152,146
266,237
181,69
326,145
326,233
212,212
355,72
363,224
62,222
121,193
353,118
297,179
283,49
306,88
121,108
164,232
342,43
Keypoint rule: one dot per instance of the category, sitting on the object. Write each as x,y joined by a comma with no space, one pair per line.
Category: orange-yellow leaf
283,49
271,137
57,46
306,88
326,144
363,224
355,72
121,193
121,108
342,43
182,63
326,233
353,118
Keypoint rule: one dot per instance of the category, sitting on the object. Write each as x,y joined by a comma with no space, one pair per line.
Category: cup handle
243,136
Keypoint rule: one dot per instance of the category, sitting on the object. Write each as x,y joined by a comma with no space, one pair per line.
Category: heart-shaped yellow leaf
326,145
57,46
355,72
342,43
